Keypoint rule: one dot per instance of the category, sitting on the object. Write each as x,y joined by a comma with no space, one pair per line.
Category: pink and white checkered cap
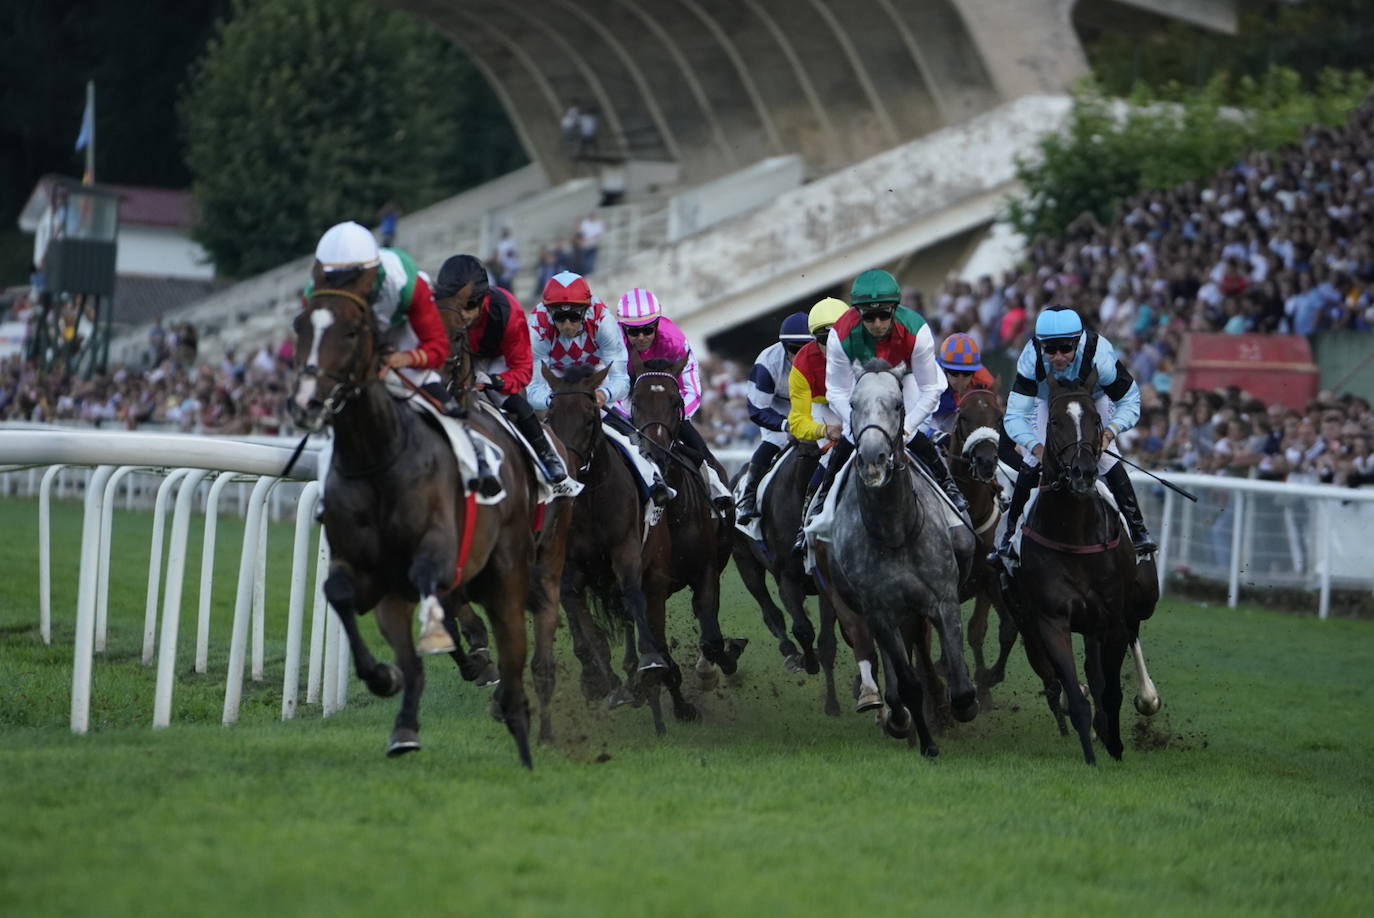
638,307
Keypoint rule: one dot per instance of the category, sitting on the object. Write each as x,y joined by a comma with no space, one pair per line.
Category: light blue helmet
1058,322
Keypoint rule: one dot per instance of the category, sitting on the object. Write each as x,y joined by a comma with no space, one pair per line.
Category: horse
612,557
399,526
972,451
893,559
780,517
700,540
1078,574
546,569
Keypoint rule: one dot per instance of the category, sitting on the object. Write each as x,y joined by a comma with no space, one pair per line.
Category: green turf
1248,794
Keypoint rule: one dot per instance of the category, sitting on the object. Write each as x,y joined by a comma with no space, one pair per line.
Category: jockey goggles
635,331
1063,346
881,315
568,313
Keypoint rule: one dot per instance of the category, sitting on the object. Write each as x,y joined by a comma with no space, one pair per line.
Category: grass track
1249,794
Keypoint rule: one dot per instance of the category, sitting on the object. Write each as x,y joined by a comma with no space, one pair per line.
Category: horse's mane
580,371
658,364
876,365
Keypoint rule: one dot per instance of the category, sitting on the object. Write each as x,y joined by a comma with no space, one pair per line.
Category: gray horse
894,559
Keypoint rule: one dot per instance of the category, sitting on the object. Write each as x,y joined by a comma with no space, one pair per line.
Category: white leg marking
866,676
1146,693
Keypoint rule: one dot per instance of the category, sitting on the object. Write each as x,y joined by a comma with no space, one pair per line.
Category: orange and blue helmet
960,352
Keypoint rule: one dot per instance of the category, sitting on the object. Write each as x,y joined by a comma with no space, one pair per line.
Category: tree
303,113
1112,149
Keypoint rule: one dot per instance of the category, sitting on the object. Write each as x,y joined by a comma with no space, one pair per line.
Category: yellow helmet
826,313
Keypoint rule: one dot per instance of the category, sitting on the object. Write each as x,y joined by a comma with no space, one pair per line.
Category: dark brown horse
779,519
612,558
700,540
972,450
1078,574
399,526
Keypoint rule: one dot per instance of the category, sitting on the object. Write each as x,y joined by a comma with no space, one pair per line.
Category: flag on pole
83,140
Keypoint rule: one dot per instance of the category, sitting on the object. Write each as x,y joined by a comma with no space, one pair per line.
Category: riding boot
533,431
1120,484
659,492
722,501
1026,479
444,399
800,544
763,457
925,450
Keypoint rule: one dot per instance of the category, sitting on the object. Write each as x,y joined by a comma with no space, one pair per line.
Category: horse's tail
606,604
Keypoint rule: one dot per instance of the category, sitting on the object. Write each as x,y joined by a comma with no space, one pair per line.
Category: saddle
754,528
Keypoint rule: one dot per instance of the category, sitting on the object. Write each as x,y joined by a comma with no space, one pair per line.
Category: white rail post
300,576
45,553
207,570
260,594
1166,529
84,645
1324,541
171,603
102,595
164,494
318,622
233,687
1233,585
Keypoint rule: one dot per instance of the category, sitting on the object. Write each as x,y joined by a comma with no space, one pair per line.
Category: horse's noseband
596,428
681,410
895,448
344,389
1068,452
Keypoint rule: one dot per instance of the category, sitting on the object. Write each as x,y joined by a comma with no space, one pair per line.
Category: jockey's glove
497,382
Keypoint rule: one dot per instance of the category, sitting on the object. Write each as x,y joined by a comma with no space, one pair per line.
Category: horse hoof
793,663
897,723
868,701
1148,708
650,661
386,680
620,697
832,707
965,708
687,712
403,740
708,677
930,751
810,663
435,640
489,676
494,709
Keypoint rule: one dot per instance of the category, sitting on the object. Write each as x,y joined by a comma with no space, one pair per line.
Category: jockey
1061,346
653,335
770,404
878,326
347,259
962,362
498,336
809,416
571,327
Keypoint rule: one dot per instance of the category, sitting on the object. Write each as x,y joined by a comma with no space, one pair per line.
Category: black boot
1120,484
1026,479
659,492
930,458
800,544
533,431
763,457
444,399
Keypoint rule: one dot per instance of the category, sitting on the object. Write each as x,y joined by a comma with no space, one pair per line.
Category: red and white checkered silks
637,307
570,352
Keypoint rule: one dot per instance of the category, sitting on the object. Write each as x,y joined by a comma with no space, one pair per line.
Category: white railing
186,463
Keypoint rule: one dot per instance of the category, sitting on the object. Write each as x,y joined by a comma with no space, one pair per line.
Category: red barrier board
1272,368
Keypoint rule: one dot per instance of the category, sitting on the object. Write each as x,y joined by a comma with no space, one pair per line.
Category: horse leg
752,574
393,618
545,614
977,634
340,588
505,605
1006,640
827,646
963,697
1058,643
589,642
630,575
706,608
936,693
1111,653
794,600
424,575
860,639
1146,695
475,633
905,701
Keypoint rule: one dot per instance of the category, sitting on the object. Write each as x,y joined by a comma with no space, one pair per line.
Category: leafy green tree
303,113
1113,148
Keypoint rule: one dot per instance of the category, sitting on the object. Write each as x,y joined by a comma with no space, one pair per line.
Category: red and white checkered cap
638,307
567,287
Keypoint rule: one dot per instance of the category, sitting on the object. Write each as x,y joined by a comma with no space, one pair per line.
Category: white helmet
347,245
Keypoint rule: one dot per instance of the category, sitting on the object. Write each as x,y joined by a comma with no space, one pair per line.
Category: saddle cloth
637,463
754,528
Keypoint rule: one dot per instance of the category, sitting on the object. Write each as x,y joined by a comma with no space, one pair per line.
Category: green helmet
874,287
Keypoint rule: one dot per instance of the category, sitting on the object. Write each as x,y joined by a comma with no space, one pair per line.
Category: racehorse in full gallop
399,525
1078,574
893,559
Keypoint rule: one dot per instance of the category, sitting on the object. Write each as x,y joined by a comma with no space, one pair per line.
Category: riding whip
1168,484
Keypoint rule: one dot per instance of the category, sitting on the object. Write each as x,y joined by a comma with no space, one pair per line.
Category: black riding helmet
457,272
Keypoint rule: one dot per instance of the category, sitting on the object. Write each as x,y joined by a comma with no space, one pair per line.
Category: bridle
345,388
459,356
595,425
672,428
896,450
966,441
1065,454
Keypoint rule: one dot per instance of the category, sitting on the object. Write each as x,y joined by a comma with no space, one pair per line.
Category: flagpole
89,177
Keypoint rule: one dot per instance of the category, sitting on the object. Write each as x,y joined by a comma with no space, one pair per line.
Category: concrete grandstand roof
718,84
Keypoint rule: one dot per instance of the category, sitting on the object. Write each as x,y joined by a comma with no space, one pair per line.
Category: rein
596,431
